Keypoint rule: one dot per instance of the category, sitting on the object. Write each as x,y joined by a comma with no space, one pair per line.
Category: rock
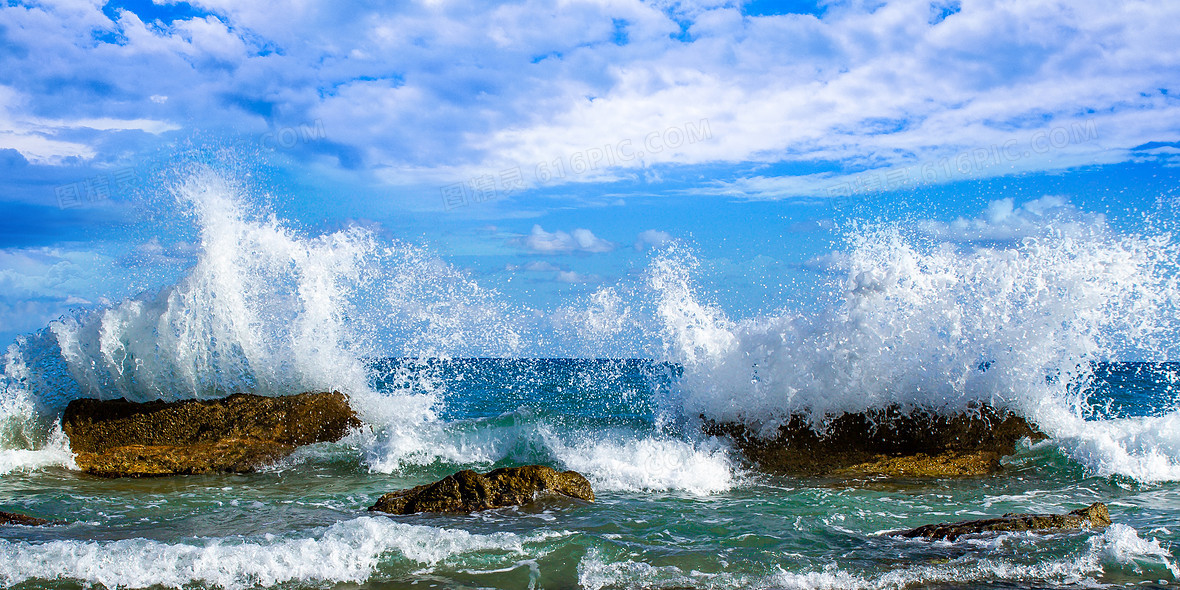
885,442
1094,516
21,519
468,491
236,434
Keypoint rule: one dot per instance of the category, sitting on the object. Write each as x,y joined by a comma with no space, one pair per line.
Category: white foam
349,551
264,310
595,573
946,326
612,460
1122,545
1144,448
649,464
1116,548
55,453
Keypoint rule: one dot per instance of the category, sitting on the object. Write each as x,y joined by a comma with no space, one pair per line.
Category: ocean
1072,328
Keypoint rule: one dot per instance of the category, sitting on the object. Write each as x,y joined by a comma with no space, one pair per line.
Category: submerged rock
468,491
22,519
236,434
1093,516
885,442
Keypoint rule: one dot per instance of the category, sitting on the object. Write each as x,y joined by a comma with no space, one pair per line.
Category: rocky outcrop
1093,516
236,434
885,442
21,519
468,491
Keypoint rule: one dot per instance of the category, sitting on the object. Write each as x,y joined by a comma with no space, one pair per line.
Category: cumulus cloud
652,239
575,277
1004,221
541,266
38,285
553,272
434,90
560,242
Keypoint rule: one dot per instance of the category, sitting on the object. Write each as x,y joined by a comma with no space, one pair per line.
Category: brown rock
1093,516
468,491
236,434
886,442
21,519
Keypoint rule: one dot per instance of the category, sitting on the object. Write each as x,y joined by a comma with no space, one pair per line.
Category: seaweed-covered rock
886,442
21,519
1093,516
236,434
468,491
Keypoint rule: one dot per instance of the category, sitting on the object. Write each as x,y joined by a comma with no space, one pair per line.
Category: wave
348,551
1108,557
630,459
920,322
651,464
922,316
263,310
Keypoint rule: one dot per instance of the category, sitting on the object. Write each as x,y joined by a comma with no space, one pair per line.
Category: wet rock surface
236,434
22,519
468,491
1093,516
885,442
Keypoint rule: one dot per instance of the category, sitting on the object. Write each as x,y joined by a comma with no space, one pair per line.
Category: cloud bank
438,91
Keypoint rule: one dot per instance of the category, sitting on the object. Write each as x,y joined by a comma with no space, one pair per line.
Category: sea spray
262,310
266,309
925,317
921,322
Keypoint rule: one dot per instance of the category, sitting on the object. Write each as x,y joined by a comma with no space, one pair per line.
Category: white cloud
36,137
38,285
574,277
1003,221
560,242
541,266
652,239
422,91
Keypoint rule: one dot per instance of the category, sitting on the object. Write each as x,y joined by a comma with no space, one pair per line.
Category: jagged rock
236,434
468,491
21,519
885,442
1093,516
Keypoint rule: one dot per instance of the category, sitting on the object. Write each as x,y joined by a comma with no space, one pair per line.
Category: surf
917,322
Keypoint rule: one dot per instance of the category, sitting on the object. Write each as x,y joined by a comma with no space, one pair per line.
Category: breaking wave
923,316
922,321
349,551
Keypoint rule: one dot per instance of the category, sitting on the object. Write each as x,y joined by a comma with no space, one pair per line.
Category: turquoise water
303,523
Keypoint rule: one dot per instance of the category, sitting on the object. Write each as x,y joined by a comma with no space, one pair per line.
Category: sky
549,148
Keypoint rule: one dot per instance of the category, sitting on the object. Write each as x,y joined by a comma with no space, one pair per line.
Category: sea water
1071,327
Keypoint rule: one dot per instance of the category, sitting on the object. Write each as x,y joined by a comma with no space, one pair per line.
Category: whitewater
1069,322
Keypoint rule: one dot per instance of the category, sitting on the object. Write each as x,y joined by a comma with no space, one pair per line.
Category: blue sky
547,148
